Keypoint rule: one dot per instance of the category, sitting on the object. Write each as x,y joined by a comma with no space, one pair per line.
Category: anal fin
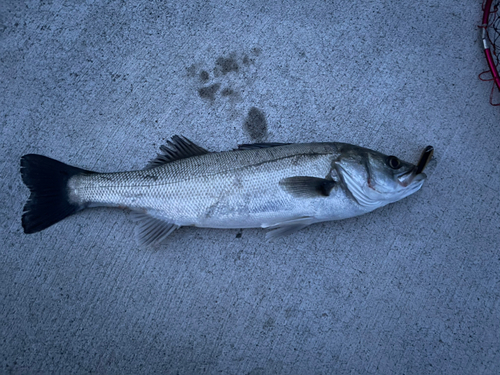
150,230
287,227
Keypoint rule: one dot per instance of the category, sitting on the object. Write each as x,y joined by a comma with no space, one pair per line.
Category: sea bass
279,186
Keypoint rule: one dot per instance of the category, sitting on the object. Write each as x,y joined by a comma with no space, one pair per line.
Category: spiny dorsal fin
307,187
253,146
178,148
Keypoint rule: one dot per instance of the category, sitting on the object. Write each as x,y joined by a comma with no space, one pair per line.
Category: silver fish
278,186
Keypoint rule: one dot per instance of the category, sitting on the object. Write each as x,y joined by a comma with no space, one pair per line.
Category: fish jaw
413,184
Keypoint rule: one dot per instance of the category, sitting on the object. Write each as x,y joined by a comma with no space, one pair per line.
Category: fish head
375,179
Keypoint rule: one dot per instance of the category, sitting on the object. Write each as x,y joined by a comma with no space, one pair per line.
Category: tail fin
49,202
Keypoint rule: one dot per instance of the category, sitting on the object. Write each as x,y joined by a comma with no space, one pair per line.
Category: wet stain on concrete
256,51
227,91
204,76
208,92
226,78
191,71
256,124
226,65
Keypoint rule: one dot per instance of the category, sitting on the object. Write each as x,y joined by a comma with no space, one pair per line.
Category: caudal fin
49,202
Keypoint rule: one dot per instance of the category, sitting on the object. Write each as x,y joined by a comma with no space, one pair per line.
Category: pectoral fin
307,187
151,230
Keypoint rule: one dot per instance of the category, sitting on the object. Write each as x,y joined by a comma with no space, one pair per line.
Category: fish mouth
416,175
411,182
411,177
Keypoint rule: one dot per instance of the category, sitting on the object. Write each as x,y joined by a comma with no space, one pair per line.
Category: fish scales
231,189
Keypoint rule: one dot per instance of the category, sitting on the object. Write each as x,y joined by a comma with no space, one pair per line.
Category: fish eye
393,162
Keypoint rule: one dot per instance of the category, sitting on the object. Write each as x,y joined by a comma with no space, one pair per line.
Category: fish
282,187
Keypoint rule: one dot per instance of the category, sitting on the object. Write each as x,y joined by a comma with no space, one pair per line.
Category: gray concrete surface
412,288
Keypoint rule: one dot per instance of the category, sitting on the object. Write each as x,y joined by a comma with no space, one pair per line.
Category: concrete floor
412,288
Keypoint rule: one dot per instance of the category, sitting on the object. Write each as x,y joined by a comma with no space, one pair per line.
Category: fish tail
49,201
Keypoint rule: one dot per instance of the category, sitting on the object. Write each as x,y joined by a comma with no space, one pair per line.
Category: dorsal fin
177,148
253,146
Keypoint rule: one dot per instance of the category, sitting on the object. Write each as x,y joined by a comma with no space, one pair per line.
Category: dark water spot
114,77
191,71
208,92
256,51
269,323
204,76
227,91
227,65
256,124
247,60
257,371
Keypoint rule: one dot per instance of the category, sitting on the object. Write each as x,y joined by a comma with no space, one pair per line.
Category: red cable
486,45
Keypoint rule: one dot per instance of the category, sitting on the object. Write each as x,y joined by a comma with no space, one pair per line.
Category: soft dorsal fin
177,148
253,146
307,187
